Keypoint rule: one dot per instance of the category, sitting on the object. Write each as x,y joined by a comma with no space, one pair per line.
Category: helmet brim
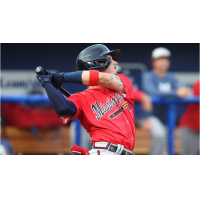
115,54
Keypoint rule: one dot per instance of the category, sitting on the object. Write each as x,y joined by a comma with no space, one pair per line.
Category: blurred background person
189,126
160,82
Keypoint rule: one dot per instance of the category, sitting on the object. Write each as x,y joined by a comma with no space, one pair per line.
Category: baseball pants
101,148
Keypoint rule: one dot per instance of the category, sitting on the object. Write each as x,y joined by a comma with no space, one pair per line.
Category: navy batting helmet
90,57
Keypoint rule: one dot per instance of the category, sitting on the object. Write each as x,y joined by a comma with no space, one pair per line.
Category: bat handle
41,70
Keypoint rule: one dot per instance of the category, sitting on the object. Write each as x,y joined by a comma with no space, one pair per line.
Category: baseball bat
41,70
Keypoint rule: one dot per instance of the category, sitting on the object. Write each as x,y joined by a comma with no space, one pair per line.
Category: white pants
100,148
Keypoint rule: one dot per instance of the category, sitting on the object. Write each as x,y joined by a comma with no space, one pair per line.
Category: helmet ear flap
96,63
105,63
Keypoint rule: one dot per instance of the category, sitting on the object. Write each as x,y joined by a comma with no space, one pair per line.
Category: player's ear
101,62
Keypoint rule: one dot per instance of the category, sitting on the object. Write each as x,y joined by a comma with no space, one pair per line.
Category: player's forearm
111,81
106,80
58,102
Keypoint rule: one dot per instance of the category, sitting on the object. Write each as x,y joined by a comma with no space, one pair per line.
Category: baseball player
105,109
145,121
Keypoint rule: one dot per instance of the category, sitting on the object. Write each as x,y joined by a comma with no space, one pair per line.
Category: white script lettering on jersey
101,109
165,87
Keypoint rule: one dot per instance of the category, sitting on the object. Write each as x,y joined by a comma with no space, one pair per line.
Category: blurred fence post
78,132
171,122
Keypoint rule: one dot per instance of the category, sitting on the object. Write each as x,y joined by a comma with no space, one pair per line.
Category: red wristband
94,78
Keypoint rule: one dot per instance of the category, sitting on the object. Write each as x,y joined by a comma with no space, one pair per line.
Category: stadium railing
169,102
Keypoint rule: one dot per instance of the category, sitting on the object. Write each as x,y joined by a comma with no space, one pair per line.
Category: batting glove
44,78
79,150
58,79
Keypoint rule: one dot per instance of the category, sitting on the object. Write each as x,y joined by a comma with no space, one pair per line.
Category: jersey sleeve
77,101
128,87
137,94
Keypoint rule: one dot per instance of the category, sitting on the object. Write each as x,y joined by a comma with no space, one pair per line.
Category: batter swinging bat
40,70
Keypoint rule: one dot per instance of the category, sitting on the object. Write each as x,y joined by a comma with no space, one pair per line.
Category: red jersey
107,115
190,117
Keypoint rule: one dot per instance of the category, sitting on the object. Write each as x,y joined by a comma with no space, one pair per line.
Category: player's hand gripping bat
40,70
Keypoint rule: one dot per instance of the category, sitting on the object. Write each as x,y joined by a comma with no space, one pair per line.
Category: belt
119,149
